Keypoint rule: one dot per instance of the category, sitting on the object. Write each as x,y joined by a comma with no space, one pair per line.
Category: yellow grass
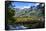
23,19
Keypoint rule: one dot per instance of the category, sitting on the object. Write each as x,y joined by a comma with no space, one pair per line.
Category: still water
17,27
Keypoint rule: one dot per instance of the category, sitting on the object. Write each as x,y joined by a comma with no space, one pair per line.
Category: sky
23,5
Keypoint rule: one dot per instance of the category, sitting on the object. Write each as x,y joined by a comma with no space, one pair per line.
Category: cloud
36,4
22,7
26,7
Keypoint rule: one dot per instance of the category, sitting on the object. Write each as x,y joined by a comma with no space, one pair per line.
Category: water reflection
16,27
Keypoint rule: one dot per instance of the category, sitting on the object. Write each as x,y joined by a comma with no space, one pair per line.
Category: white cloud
22,7
26,7
36,4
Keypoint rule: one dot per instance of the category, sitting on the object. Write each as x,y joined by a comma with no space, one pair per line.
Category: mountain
32,11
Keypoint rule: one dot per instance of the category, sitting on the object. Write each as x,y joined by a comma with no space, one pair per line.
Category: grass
24,19
28,25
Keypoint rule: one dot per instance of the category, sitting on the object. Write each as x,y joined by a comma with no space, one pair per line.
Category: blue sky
23,5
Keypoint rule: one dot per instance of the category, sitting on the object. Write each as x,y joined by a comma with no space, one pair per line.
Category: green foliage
11,12
27,25
10,15
12,20
31,14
